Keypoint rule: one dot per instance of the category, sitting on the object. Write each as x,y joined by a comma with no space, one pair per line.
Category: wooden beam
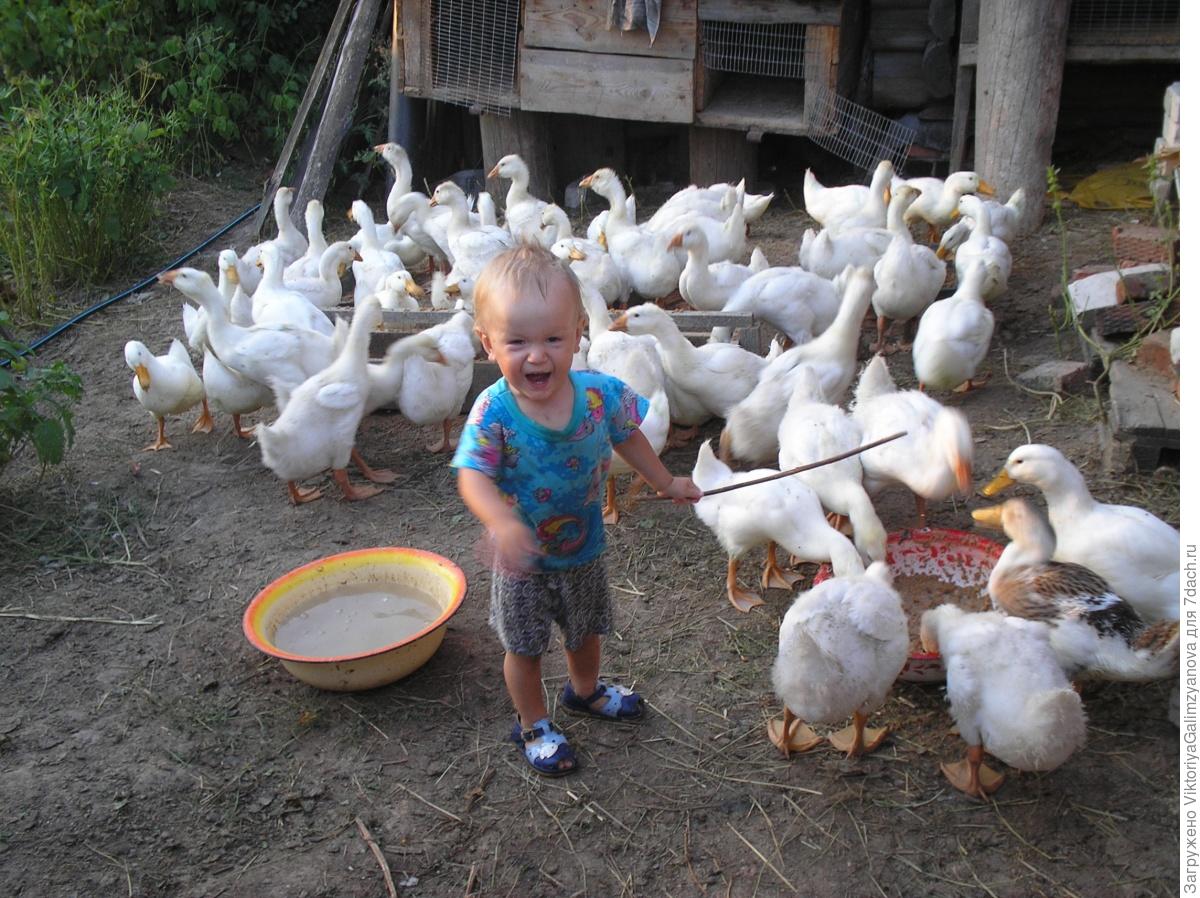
717,155
964,89
339,108
1022,48
605,85
289,145
583,25
852,31
771,12
820,64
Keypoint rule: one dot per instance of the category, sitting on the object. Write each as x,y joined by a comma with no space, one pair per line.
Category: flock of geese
1092,591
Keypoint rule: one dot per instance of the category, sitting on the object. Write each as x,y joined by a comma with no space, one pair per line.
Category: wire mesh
752,48
1123,16
853,132
473,52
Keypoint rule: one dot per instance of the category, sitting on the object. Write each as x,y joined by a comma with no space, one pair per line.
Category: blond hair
525,271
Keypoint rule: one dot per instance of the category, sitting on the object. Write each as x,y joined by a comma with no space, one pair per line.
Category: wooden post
715,155
852,34
1022,48
289,145
338,113
528,135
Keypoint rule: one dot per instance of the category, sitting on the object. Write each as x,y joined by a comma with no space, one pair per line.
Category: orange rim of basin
260,605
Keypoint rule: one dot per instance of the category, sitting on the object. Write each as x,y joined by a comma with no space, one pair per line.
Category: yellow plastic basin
368,569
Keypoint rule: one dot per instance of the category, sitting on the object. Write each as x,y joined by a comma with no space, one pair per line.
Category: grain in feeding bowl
931,567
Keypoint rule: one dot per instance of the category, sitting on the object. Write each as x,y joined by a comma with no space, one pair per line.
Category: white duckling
702,381
165,385
1135,552
1002,219
933,460
812,430
938,204
839,208
841,646
471,246
434,392
908,276
274,303
399,292
281,356
309,265
706,285
954,335
982,246
646,264
783,512
231,393
1093,631
325,290
376,263
522,210
752,426
316,429
797,302
1007,695
592,264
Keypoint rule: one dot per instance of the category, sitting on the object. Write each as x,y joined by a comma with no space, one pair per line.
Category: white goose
1002,219
397,157
908,276
309,265
425,227
800,304
954,335
522,210
231,393
434,392
938,204
982,246
851,206
281,356
275,303
399,292
376,263
325,290
165,385
241,305
592,264
288,240
708,286
470,245
316,429
934,459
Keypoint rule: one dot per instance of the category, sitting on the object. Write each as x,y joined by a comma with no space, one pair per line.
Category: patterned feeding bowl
931,567
359,619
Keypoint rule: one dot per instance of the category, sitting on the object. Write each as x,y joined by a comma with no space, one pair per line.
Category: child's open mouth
538,379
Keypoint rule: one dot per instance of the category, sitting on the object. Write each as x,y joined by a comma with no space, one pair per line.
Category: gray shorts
523,605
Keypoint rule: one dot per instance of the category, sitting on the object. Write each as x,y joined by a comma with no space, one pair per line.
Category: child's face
533,340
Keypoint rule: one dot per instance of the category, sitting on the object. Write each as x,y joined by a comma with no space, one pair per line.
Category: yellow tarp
1121,187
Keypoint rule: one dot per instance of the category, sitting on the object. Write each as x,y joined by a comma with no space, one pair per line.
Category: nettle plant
36,404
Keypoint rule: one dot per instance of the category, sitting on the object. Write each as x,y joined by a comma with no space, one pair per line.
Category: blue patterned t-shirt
554,478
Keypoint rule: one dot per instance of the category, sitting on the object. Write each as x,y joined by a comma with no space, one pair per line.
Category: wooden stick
375,850
430,804
791,471
151,621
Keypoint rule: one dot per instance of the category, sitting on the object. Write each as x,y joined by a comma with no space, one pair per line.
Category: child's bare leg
523,676
583,665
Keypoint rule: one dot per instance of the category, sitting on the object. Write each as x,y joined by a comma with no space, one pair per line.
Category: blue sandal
621,704
545,748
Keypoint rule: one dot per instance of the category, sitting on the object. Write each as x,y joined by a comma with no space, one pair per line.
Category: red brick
1154,355
1139,286
1139,243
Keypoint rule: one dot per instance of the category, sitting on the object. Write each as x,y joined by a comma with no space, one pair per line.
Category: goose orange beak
143,376
942,253
1000,482
412,288
676,241
356,257
621,324
432,201
453,289
986,189
495,172
575,254
168,277
603,241
989,517
231,275
587,182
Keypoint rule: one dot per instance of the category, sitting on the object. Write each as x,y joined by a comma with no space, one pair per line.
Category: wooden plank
899,29
770,12
582,25
1101,54
773,106
964,89
601,84
339,108
852,33
289,145
412,23
969,33
820,63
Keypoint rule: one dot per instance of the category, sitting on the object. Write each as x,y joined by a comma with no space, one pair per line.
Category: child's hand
516,549
682,490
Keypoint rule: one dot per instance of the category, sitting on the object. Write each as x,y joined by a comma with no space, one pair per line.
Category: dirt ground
149,750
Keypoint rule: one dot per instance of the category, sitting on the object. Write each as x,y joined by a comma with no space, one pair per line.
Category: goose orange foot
971,776
775,577
300,496
160,441
350,492
741,599
204,424
791,734
375,475
858,739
